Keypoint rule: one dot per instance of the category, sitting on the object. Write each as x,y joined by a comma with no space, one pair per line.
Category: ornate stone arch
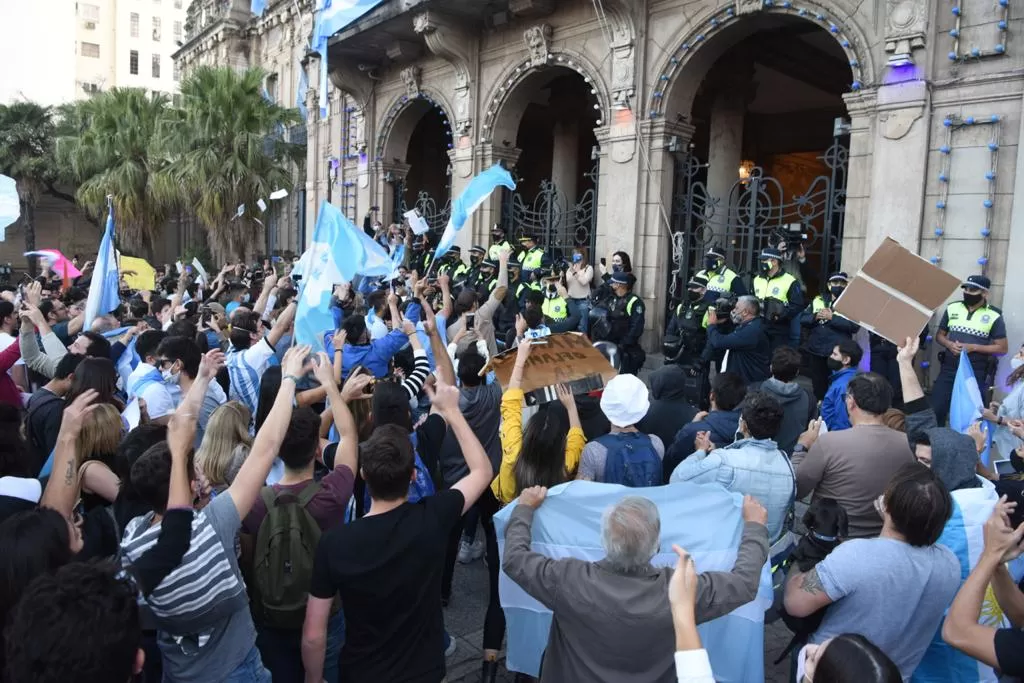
499,121
691,55
400,119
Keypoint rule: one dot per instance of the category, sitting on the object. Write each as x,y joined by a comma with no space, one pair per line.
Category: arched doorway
767,160
549,118
418,142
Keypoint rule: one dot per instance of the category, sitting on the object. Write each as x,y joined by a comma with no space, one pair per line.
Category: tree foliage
26,154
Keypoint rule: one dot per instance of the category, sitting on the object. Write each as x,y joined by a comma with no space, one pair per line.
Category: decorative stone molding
622,24
896,124
531,8
905,28
411,78
537,39
454,44
348,78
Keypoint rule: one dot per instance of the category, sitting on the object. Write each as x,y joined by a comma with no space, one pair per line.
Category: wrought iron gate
753,213
436,216
561,225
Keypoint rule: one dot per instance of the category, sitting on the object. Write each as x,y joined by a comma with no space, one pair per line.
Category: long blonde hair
101,434
226,432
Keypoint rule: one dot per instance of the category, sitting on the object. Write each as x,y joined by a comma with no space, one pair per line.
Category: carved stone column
458,46
621,19
387,174
906,29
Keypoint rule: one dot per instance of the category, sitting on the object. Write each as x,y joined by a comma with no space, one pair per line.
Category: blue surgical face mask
576,258
245,298
616,268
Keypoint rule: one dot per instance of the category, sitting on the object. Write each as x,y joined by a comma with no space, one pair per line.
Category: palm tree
110,147
228,148
26,154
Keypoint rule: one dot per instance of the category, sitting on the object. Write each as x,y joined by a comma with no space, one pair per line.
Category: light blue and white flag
258,7
476,193
965,406
331,17
706,520
397,259
103,297
10,206
964,536
331,259
300,95
374,261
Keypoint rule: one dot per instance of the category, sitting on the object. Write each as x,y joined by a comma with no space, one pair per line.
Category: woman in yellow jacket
548,451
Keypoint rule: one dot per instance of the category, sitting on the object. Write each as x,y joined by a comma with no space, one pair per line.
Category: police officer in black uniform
420,257
626,322
688,327
476,257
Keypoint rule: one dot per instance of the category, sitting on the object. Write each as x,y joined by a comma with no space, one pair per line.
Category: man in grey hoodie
798,404
670,409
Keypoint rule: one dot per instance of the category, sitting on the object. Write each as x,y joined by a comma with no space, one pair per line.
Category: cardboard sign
567,358
895,293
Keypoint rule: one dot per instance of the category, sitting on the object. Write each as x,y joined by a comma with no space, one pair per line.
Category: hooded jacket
798,408
481,406
954,458
721,423
670,410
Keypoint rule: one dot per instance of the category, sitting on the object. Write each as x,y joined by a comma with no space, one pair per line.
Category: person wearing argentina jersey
250,352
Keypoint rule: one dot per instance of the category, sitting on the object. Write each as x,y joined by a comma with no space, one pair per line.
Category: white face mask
171,378
1016,362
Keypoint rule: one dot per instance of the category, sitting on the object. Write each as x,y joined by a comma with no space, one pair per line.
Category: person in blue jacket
843,363
826,330
374,355
747,344
728,390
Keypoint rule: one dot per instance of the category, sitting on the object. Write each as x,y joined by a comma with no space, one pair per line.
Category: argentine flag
964,536
705,519
258,7
300,94
103,296
332,258
331,17
476,193
374,260
966,405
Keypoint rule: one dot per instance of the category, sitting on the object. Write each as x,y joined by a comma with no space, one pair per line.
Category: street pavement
464,618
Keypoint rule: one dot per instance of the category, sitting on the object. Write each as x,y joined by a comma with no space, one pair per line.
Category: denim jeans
582,306
281,650
251,670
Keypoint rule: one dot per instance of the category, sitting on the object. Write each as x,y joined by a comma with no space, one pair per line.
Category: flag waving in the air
103,291
476,193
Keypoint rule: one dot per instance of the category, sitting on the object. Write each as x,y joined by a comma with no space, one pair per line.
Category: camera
724,305
790,234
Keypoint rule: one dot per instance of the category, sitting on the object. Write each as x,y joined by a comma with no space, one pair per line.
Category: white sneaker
470,551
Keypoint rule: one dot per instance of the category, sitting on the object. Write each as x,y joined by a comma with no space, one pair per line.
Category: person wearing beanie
626,455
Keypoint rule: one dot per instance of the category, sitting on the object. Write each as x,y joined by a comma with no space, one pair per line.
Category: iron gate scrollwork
435,216
756,210
562,225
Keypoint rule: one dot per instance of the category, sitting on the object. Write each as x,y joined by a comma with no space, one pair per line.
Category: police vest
555,309
620,310
722,282
533,259
534,285
494,253
689,317
818,304
775,288
963,324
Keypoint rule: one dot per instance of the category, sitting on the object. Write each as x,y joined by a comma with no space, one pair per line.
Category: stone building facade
658,127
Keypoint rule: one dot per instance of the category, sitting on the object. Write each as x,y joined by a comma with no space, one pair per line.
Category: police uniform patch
721,278
775,290
985,318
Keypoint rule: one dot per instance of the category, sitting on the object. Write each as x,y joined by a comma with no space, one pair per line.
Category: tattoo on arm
69,474
811,583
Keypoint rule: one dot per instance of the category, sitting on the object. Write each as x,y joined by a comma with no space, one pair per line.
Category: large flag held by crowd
568,524
103,294
472,198
966,404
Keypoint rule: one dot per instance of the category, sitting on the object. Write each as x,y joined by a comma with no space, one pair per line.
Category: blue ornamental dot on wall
987,203
856,85
940,204
955,33
994,118
934,259
928,339
993,146
1002,24
952,56
845,43
939,232
956,10
982,261
985,232
819,16
802,12
947,122
945,149
969,120
943,178
999,49
991,175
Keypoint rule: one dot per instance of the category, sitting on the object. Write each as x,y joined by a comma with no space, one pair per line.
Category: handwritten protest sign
567,358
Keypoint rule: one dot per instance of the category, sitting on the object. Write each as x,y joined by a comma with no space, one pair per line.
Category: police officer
499,242
453,266
626,321
532,257
826,330
781,299
689,324
973,326
476,258
720,277
420,257
555,306
514,301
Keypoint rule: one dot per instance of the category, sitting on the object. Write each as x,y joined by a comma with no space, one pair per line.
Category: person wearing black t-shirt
387,565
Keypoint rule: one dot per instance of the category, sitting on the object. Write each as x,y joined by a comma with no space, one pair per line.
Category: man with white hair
606,612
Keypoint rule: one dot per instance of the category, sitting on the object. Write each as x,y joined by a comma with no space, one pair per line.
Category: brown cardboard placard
895,293
555,359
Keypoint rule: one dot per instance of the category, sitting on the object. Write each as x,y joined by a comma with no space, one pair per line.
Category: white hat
625,400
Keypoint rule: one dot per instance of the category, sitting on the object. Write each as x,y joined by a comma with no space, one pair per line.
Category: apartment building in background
67,50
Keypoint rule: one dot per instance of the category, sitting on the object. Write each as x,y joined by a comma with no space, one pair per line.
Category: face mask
616,268
693,295
834,365
245,298
736,317
475,260
766,267
835,291
711,264
972,300
171,378
1016,362
576,258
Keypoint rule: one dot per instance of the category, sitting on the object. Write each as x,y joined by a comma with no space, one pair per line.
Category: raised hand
323,370
533,497
211,363
296,360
